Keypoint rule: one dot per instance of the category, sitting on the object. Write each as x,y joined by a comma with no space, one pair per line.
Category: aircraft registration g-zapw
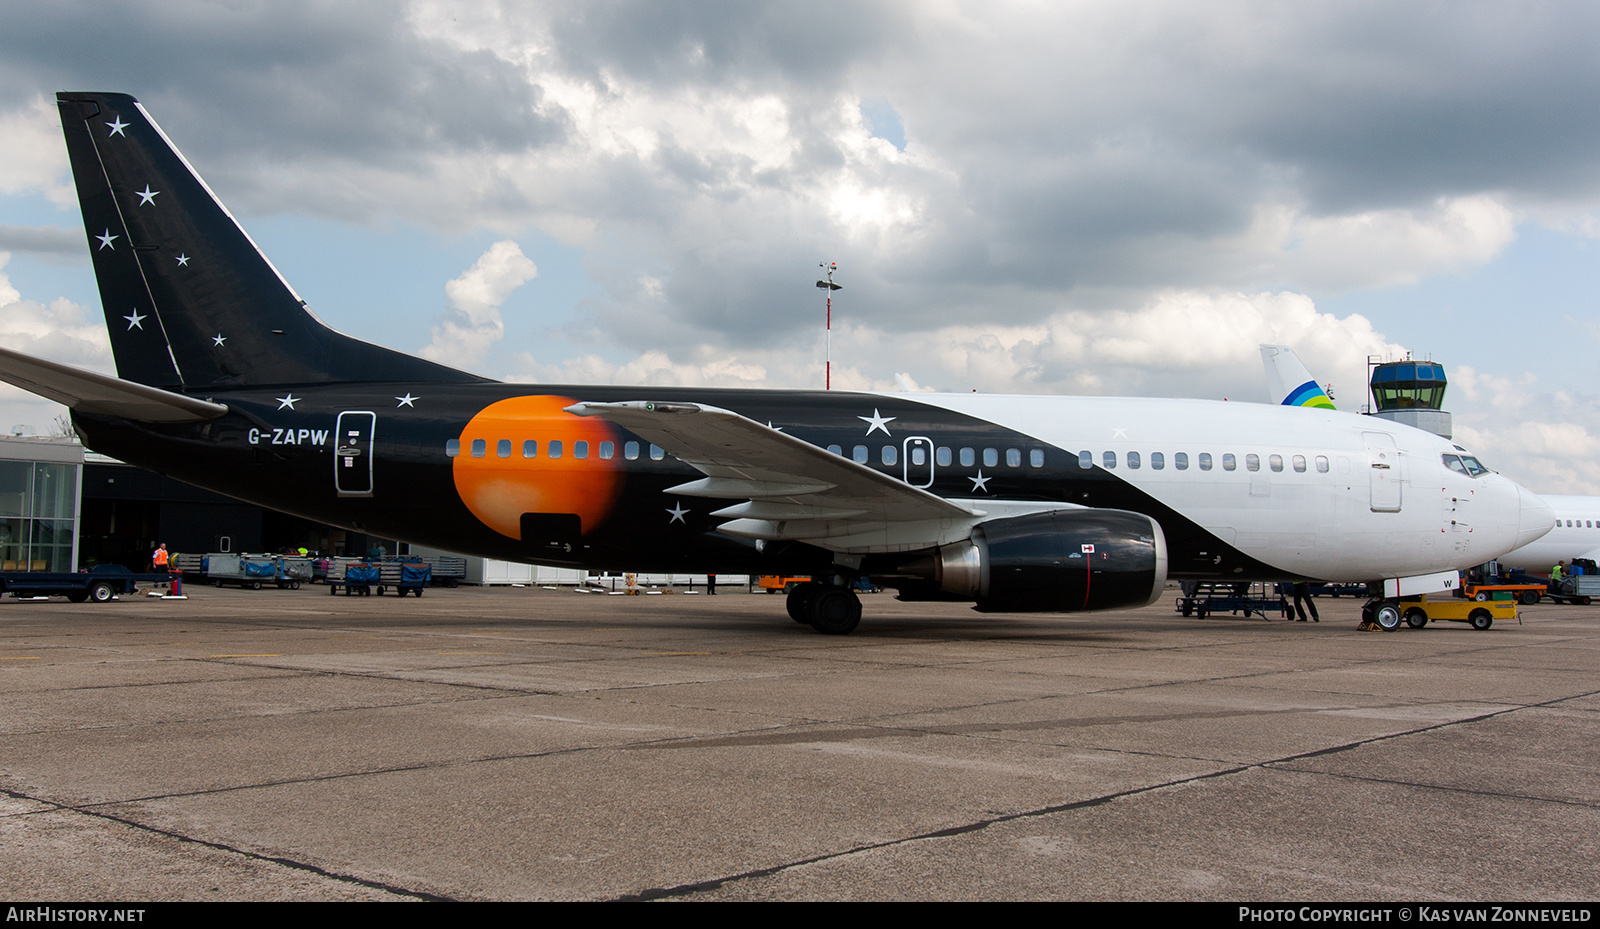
1014,503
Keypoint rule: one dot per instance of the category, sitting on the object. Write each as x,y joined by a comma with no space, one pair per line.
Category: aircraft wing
88,392
791,488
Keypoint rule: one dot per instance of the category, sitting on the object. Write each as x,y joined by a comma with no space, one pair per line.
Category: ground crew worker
1302,600
158,559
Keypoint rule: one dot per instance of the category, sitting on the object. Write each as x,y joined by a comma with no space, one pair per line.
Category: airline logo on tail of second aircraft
1309,394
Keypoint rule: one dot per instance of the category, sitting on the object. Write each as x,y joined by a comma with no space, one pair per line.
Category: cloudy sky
1095,198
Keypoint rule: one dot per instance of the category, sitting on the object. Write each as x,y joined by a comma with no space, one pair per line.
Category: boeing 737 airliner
1014,503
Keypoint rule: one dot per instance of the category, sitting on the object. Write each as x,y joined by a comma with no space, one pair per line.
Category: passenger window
1013,457
452,447
991,457
888,455
1133,459
1158,461
1036,457
555,448
942,456
630,451
1299,462
1180,460
859,453
502,448
967,458
1205,461
1108,460
657,452
479,448
1086,459
1252,462
580,449
530,449
1322,464
1275,462
1229,463
836,450
607,450
919,455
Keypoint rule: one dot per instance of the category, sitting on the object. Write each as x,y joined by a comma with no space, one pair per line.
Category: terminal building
40,484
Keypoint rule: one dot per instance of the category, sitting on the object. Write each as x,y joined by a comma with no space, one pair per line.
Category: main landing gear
829,609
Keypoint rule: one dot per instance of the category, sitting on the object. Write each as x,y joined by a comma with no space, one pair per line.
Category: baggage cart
358,577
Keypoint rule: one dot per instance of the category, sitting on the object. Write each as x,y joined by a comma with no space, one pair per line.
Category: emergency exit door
352,453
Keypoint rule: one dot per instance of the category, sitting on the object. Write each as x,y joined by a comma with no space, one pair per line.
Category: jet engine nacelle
1062,561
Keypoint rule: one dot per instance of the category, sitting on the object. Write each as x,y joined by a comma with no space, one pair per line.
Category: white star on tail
407,400
183,261
288,401
134,321
106,239
147,195
678,512
980,482
877,421
117,127
218,339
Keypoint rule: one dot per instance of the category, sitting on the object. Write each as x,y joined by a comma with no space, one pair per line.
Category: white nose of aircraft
1535,517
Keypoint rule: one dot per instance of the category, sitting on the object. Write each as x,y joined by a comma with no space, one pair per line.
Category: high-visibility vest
160,557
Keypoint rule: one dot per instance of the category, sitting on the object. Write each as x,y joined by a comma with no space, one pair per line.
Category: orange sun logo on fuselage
527,455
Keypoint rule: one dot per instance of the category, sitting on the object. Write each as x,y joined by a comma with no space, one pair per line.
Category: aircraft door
352,453
919,461
1384,460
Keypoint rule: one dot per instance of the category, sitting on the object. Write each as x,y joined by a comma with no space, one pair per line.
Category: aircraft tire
834,611
797,599
1387,616
1416,619
1480,619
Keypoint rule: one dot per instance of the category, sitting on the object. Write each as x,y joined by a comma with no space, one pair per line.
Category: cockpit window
1464,464
1474,468
1454,463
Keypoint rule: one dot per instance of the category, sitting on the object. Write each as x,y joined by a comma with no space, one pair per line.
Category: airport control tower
1410,392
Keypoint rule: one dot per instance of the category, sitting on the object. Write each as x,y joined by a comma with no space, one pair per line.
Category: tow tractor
1480,614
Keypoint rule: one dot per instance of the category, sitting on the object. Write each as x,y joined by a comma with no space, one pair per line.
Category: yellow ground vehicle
1481,614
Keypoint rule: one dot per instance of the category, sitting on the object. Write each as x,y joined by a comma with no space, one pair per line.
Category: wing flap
794,489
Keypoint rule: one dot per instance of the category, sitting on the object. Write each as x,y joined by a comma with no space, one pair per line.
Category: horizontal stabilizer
88,392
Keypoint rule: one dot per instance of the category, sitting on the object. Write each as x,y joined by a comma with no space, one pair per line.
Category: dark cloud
814,44
1052,156
276,82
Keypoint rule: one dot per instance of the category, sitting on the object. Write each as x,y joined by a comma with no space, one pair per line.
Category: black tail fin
190,301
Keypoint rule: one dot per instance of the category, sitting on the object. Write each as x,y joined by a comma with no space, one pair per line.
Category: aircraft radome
1014,503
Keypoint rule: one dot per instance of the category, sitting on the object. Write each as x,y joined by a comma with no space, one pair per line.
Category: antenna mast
829,286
